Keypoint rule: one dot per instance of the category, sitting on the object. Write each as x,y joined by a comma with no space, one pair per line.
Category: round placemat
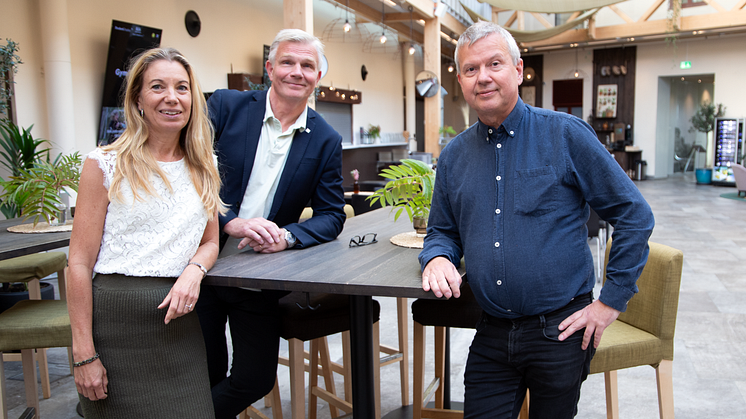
409,239
41,227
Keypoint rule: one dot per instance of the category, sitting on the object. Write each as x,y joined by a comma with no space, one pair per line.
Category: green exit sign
685,65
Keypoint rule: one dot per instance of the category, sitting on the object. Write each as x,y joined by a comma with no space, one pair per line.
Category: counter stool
31,268
313,317
462,312
27,325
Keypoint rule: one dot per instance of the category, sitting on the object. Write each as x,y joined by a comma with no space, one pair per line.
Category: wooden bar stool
27,325
30,269
313,317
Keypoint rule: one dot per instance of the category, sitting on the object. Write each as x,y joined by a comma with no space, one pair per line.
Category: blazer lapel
301,139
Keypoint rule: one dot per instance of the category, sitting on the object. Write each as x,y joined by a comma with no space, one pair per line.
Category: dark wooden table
380,269
20,244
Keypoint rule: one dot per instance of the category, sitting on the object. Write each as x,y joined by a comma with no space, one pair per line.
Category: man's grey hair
299,36
482,29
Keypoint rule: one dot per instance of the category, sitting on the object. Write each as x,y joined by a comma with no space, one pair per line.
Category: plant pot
420,225
8,299
704,176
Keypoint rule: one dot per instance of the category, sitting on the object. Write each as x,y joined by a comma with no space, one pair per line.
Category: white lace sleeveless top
154,236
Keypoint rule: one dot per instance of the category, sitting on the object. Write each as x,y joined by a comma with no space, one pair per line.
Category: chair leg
419,370
313,377
276,402
403,320
612,395
41,358
377,369
3,403
29,378
523,414
664,377
440,364
297,382
347,361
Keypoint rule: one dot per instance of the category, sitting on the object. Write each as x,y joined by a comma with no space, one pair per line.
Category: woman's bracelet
87,361
201,268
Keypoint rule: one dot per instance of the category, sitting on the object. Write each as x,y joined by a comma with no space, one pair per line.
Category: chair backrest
739,172
654,308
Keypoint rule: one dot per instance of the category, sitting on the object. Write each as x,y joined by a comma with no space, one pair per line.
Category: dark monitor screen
126,41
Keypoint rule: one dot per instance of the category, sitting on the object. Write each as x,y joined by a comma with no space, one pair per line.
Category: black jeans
255,334
509,356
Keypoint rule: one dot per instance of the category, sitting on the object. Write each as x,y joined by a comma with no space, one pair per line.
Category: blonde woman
144,236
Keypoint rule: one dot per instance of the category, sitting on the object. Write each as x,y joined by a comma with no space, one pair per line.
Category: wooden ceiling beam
425,8
645,16
715,5
740,5
620,13
542,20
511,19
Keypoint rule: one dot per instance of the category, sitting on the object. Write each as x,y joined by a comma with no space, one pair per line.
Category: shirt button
497,211
497,244
511,132
499,146
509,310
490,131
499,178
499,282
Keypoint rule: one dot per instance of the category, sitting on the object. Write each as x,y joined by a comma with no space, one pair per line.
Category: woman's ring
189,306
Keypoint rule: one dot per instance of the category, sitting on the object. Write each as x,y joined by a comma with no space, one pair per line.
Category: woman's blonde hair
135,162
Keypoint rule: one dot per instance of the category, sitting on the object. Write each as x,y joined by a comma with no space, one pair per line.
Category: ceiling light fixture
411,30
450,68
382,39
347,25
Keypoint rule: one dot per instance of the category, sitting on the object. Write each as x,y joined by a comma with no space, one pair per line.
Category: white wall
233,33
557,65
721,56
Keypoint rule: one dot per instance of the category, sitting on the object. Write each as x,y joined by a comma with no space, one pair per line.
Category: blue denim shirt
514,202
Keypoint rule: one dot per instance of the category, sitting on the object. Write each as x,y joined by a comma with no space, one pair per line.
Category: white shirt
269,162
156,236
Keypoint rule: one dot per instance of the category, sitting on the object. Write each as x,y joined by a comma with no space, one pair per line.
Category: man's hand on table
442,278
260,234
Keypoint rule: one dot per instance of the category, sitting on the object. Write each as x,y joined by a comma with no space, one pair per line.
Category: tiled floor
709,370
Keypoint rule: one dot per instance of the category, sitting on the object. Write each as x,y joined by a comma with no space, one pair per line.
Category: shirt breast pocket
535,191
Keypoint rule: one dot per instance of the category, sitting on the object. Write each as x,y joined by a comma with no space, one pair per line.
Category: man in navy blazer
275,155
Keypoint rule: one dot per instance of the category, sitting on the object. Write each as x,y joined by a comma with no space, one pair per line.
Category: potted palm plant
704,121
18,151
410,189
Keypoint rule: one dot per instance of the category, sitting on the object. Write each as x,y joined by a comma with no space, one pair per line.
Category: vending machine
728,149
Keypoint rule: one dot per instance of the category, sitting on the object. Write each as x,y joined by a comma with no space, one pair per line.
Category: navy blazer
312,173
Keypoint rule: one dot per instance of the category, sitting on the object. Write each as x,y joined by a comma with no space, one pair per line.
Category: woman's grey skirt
155,370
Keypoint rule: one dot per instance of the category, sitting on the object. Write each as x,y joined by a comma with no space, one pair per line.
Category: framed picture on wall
528,94
606,101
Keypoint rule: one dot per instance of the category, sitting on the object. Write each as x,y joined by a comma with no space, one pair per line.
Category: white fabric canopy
550,6
531,36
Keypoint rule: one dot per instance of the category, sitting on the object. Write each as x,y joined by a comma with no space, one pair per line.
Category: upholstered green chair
31,268
27,325
643,334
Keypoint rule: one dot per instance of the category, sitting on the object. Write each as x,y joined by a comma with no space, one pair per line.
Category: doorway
679,97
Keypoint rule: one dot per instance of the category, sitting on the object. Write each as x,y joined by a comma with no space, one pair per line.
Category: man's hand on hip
442,278
259,233
595,317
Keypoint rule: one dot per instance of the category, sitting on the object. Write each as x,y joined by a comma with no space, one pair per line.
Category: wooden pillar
432,104
298,14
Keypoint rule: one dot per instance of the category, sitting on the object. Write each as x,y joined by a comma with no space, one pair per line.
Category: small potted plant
410,189
355,181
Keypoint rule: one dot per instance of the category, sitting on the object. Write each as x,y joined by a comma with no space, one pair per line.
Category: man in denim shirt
512,196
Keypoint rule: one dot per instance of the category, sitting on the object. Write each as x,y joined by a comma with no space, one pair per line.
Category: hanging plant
9,61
